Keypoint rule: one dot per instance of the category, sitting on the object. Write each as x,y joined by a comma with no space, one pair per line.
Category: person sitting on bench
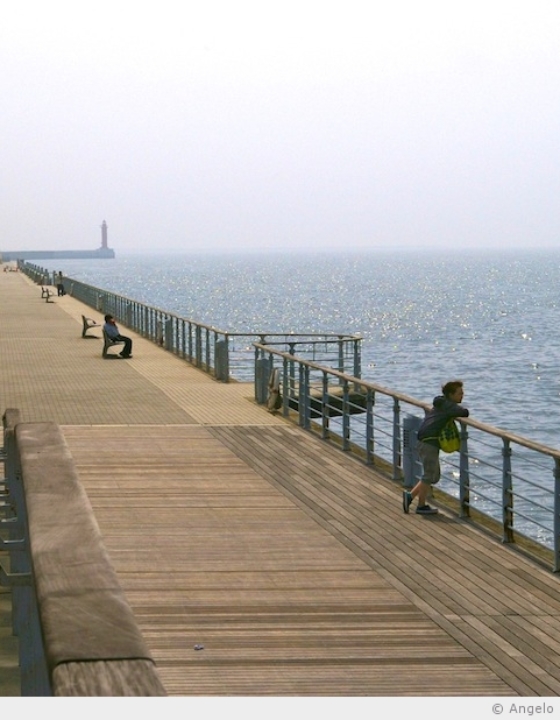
112,331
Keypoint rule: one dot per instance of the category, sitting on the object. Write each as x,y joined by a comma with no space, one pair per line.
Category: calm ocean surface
489,318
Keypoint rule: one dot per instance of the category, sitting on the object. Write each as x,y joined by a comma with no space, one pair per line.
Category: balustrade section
501,481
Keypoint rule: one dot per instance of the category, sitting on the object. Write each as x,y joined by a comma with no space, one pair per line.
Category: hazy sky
279,125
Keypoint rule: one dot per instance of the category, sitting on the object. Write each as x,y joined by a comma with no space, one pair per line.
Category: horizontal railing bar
530,520
531,502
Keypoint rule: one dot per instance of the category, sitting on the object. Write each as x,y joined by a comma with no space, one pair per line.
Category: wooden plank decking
289,561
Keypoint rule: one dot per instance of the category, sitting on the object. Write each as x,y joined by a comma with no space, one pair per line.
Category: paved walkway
289,561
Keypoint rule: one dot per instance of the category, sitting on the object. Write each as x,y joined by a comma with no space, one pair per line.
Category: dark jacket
437,417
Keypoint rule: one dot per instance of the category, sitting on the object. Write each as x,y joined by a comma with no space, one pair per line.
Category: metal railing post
152,314
168,334
464,478
345,415
357,358
340,354
303,400
301,396
176,323
226,358
190,343
208,361
198,345
159,333
556,520
183,346
128,316
307,399
286,390
507,494
324,407
291,351
396,438
145,322
370,427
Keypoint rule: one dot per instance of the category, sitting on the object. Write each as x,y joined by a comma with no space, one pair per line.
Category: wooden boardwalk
289,562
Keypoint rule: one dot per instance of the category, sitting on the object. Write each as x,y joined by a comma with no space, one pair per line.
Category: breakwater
28,255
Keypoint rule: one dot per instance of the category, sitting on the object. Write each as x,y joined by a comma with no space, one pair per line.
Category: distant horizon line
341,251
431,249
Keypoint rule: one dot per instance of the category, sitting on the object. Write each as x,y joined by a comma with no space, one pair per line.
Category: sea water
486,317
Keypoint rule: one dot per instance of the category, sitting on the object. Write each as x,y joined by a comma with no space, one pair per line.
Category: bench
88,323
46,293
109,342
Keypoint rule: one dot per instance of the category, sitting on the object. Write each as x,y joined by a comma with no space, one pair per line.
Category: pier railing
225,355
502,481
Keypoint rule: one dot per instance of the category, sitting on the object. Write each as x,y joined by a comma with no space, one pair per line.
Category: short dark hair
450,387
108,317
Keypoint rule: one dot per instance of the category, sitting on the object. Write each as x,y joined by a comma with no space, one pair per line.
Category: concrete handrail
91,641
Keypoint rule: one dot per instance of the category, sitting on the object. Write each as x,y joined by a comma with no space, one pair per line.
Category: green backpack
449,438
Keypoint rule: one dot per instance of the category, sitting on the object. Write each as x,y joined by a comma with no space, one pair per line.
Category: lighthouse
104,236
104,251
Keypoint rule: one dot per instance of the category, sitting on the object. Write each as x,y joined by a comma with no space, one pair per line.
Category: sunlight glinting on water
487,318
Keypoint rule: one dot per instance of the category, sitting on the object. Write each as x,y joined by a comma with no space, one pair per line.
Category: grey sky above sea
258,126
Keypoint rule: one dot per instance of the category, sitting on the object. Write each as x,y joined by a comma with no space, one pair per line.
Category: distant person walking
60,284
112,331
445,408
